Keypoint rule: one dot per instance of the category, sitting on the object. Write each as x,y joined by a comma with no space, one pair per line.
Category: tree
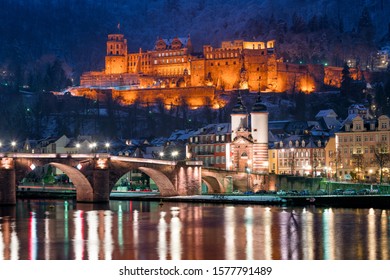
366,29
346,82
337,161
381,158
314,163
358,163
300,106
298,24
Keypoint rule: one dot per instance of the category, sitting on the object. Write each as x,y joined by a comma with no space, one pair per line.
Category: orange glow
307,84
102,163
6,163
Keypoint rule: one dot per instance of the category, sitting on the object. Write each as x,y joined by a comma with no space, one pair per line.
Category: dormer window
281,144
296,143
303,143
319,143
290,143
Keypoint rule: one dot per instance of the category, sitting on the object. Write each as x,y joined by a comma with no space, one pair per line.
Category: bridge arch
163,183
213,185
84,190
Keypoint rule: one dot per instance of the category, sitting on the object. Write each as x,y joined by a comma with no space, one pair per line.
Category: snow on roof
326,113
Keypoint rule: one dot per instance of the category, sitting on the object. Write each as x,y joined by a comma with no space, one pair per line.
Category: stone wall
192,96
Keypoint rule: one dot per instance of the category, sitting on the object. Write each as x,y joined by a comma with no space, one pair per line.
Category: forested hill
35,33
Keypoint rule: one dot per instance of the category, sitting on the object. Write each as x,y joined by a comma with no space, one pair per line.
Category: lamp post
161,154
175,154
248,171
107,145
93,146
78,147
13,144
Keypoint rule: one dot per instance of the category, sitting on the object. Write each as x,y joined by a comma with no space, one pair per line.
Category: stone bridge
225,181
94,175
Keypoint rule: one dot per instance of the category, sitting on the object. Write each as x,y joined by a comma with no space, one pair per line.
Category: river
144,230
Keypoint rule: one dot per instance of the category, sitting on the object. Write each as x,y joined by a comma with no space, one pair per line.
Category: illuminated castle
236,64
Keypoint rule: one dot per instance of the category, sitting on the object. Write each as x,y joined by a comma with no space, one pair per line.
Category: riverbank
345,201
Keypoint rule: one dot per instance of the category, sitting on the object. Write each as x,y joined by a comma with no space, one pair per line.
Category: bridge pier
98,189
100,183
7,182
188,178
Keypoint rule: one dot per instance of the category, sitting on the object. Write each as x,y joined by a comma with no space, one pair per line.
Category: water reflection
141,230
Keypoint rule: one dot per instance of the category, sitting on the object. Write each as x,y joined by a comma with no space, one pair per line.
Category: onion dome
239,108
259,106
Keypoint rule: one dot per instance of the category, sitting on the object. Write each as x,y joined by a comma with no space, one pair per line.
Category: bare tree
358,163
381,158
337,161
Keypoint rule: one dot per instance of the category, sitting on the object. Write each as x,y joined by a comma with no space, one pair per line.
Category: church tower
259,131
116,57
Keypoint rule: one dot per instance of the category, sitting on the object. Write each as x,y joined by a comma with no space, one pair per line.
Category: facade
301,156
305,148
360,144
211,145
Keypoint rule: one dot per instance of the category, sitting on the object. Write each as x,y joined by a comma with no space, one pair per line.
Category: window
358,138
384,137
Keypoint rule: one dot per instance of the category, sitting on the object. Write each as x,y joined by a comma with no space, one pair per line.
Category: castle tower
239,117
116,57
259,131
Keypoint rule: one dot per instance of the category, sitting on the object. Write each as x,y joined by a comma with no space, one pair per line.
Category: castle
172,63
173,73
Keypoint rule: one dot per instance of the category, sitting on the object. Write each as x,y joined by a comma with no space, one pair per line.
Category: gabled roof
326,114
215,128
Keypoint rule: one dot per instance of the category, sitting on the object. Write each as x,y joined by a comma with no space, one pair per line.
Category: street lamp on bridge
107,145
175,154
13,144
93,146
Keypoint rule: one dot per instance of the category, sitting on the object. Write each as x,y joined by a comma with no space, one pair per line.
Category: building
361,145
304,148
211,145
172,63
299,155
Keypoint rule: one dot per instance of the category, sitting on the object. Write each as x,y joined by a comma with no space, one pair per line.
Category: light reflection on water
145,230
